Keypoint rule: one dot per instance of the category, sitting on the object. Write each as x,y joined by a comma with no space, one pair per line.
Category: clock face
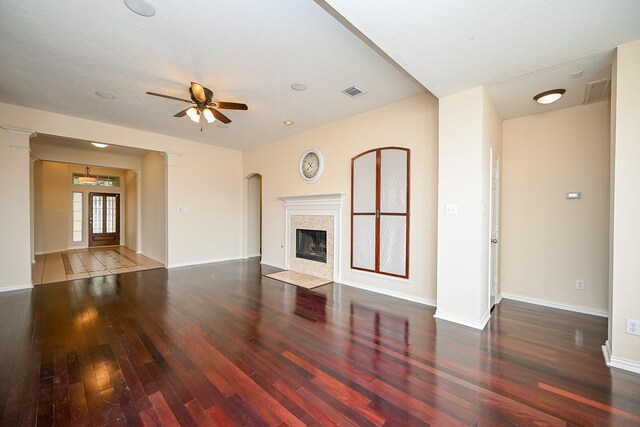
311,165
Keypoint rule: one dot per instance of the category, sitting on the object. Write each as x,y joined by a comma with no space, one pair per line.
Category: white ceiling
514,48
56,54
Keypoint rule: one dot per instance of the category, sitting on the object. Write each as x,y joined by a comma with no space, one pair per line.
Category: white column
623,349
15,226
469,127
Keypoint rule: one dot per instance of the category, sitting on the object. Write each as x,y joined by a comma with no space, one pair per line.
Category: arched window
380,211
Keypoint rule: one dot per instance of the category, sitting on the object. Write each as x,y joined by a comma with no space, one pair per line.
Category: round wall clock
311,165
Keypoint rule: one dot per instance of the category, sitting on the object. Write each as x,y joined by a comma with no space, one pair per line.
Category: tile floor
85,263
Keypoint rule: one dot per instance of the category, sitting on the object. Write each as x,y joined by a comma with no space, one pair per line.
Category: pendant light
87,179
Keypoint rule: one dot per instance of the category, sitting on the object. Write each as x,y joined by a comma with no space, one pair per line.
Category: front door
104,219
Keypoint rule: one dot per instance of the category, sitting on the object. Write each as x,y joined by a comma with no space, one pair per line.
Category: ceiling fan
203,105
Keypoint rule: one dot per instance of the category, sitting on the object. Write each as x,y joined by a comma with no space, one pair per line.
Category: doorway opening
253,244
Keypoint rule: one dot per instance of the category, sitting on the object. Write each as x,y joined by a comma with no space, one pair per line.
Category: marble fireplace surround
315,212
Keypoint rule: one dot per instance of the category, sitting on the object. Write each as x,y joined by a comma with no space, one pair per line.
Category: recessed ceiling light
99,145
288,122
549,96
140,7
576,74
105,95
299,86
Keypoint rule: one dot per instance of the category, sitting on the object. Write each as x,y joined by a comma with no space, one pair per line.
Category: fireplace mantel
316,201
315,205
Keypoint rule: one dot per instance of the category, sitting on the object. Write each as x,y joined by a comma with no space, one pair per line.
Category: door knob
494,240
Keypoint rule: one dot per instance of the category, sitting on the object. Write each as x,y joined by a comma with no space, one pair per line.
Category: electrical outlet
633,327
580,285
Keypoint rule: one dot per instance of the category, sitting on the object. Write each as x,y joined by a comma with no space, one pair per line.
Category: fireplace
313,213
311,244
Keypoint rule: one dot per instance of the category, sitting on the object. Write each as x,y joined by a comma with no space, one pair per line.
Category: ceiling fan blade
168,97
197,91
181,113
230,106
218,115
208,94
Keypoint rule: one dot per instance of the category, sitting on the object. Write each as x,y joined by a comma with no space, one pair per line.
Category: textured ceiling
514,48
56,54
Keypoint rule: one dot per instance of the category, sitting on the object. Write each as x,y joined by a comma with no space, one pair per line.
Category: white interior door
494,257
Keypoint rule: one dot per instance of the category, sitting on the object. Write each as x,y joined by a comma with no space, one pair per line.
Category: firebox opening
311,245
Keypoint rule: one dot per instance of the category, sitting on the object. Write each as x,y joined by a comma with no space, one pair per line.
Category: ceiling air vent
597,91
354,91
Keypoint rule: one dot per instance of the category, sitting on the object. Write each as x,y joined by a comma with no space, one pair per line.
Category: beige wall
15,256
153,206
548,241
625,348
411,123
53,190
131,210
40,149
203,176
469,127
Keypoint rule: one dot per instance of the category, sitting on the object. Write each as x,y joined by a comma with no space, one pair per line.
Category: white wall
15,224
469,127
153,193
625,348
548,241
205,177
410,123
253,215
131,210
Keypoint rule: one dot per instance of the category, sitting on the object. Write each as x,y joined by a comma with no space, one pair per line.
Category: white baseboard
619,362
463,320
16,287
153,258
206,261
251,256
401,295
281,267
562,306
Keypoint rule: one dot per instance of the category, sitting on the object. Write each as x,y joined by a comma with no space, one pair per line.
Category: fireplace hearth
311,245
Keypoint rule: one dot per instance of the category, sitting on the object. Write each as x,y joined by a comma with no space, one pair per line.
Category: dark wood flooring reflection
221,345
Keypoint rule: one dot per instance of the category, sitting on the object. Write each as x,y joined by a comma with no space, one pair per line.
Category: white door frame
494,227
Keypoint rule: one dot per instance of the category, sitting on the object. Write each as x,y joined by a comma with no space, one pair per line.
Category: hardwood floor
219,344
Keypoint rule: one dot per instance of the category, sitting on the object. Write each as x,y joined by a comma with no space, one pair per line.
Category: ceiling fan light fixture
194,114
208,115
549,96
99,145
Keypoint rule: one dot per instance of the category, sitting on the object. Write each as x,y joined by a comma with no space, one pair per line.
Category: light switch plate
450,209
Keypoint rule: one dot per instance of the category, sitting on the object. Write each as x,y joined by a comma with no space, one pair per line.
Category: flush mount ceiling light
288,122
104,95
87,179
299,86
99,145
140,7
549,96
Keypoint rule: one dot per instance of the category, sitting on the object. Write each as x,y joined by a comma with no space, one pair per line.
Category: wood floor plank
221,344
